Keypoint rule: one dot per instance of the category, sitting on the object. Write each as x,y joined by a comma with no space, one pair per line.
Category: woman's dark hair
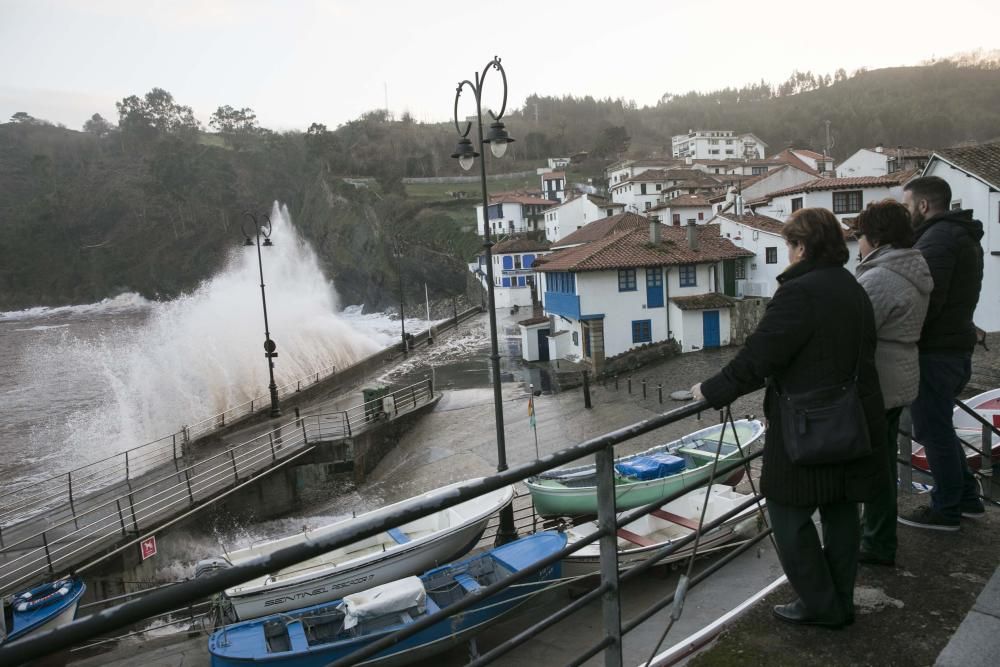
886,223
820,232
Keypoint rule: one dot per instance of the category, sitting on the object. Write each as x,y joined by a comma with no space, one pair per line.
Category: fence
91,529
187,593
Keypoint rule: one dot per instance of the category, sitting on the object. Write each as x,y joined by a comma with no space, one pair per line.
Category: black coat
808,338
950,242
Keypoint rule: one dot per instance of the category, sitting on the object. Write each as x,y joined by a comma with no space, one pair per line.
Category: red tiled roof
905,151
812,154
552,175
840,183
632,249
709,301
663,175
982,160
761,222
598,229
687,200
788,157
520,245
521,199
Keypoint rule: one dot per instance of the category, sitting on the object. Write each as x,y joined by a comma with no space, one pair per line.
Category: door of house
586,341
543,344
729,277
710,328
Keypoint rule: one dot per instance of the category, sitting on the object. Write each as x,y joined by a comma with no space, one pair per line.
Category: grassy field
439,191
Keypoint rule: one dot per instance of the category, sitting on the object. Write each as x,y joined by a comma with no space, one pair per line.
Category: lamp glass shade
498,148
466,161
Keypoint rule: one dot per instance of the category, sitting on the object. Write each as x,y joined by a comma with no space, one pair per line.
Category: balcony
563,303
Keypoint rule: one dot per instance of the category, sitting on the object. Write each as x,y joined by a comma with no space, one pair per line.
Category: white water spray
192,358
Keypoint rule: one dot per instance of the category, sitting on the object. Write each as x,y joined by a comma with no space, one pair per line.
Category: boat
320,634
399,552
638,540
648,476
969,430
41,608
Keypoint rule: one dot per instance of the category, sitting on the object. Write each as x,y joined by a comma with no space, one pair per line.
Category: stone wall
638,357
744,318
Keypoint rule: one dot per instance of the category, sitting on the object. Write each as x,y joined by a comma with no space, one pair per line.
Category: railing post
644,389
121,517
126,466
297,416
187,478
586,390
430,388
413,395
905,451
347,422
610,601
305,438
131,504
174,437
986,466
48,556
274,455
659,390
232,456
251,405
72,508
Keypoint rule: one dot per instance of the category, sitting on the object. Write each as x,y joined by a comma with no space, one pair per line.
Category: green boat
647,476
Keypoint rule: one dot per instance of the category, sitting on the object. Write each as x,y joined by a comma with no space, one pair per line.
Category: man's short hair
934,189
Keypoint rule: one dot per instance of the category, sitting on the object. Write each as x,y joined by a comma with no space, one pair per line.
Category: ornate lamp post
270,348
466,154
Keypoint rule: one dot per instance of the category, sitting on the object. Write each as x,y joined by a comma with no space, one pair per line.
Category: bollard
586,390
616,383
629,385
298,420
644,389
659,390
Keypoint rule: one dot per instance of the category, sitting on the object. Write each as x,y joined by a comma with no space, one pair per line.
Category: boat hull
394,565
60,612
987,405
244,644
552,499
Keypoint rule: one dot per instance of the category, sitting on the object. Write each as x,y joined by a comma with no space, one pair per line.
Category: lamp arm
248,214
495,64
458,93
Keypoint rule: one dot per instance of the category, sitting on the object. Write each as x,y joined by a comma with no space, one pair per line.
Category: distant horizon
204,118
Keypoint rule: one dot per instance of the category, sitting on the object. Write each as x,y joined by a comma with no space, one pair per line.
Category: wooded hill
152,205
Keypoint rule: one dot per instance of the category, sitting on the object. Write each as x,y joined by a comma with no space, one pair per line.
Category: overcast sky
302,61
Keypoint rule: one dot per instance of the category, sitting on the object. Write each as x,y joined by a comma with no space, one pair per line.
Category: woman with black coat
817,329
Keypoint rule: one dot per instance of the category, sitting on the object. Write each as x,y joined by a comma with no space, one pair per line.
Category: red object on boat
987,405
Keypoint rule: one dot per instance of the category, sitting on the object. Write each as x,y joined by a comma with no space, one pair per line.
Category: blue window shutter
527,261
508,262
505,282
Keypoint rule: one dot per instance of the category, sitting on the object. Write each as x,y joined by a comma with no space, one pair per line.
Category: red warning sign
148,547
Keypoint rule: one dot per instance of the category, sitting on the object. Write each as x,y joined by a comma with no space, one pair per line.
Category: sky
295,62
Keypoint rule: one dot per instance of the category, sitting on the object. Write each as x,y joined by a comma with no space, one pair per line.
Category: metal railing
64,543
186,593
23,501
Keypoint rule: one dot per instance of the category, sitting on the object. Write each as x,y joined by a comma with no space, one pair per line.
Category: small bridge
56,530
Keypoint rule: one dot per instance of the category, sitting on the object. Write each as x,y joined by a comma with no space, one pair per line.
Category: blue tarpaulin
651,466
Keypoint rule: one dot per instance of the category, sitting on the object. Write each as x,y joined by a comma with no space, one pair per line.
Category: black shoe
973,511
930,519
796,614
868,558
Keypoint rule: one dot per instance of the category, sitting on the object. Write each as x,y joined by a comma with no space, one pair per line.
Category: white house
577,213
558,162
650,188
879,161
626,169
554,186
513,214
760,235
823,164
974,176
637,287
513,275
846,197
683,210
620,222
709,144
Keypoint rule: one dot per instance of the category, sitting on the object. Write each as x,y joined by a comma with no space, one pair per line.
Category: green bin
373,406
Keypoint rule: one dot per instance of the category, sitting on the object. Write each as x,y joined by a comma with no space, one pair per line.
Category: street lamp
466,154
397,253
270,349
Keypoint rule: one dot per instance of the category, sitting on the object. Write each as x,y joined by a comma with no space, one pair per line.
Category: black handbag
825,425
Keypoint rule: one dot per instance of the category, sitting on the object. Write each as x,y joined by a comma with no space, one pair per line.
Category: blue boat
41,608
320,634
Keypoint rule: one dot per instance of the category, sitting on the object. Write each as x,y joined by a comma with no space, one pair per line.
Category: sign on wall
148,547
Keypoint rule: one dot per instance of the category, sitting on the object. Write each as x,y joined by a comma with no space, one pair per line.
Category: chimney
730,195
692,236
654,232
689,160
878,148
739,205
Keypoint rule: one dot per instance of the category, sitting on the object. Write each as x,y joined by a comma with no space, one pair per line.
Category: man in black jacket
950,242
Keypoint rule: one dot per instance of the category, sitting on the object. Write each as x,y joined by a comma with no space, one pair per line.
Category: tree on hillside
98,125
154,114
237,126
612,142
25,118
